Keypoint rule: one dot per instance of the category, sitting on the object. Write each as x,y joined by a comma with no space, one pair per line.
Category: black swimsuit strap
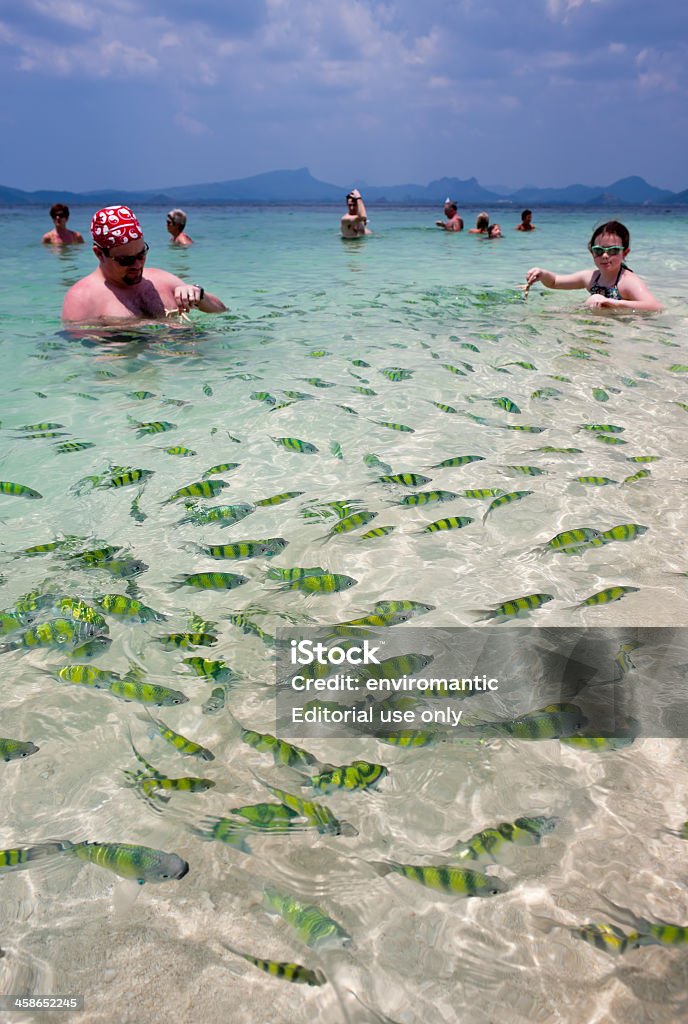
595,281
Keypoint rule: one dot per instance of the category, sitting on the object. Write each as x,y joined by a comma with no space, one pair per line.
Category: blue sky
146,93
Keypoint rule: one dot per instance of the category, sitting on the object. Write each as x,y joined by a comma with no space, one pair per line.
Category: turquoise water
303,307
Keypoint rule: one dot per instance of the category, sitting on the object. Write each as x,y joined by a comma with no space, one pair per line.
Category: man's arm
189,296
172,289
361,214
76,305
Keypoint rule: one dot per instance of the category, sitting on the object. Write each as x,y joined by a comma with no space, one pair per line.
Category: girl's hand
598,301
533,275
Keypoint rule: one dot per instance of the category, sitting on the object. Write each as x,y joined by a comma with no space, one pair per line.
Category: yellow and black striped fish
285,971
456,881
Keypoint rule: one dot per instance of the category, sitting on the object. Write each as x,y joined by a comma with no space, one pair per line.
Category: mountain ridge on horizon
299,186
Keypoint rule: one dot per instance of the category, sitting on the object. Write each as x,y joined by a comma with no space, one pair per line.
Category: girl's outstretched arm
581,279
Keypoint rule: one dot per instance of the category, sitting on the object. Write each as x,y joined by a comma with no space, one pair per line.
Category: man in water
61,235
121,287
354,222
453,221
176,222
526,221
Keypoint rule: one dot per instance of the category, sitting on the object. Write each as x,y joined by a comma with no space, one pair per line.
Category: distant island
300,186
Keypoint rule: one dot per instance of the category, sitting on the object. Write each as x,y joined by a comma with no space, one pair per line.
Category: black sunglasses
128,261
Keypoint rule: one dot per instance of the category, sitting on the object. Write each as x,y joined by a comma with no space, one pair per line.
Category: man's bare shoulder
82,298
162,278
88,285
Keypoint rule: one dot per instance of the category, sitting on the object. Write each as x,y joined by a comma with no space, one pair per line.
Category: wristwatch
202,291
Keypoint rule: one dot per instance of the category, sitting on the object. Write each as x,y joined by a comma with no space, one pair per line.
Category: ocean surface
416,347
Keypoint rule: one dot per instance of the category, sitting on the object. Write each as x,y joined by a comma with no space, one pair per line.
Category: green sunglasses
613,250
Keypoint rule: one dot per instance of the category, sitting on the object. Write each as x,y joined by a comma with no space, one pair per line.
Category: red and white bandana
115,225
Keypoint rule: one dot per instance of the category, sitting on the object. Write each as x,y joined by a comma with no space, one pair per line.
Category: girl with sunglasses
612,285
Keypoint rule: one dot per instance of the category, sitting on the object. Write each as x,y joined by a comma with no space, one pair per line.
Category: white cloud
69,12
560,9
190,125
169,40
115,57
659,71
440,82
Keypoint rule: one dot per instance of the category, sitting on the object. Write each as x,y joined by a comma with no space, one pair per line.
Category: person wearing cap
61,235
122,286
453,221
176,222
354,223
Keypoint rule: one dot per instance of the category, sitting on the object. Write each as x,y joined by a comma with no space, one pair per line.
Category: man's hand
186,296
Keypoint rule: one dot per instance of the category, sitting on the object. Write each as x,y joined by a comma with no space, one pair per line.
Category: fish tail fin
57,846
145,716
546,925
232,949
381,867
263,782
135,673
625,915
50,848
204,829
235,725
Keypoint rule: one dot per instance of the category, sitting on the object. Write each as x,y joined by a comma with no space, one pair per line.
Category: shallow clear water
304,305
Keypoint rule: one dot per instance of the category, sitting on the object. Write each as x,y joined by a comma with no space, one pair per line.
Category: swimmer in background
494,231
176,222
354,223
612,285
482,224
453,221
122,287
61,235
526,221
